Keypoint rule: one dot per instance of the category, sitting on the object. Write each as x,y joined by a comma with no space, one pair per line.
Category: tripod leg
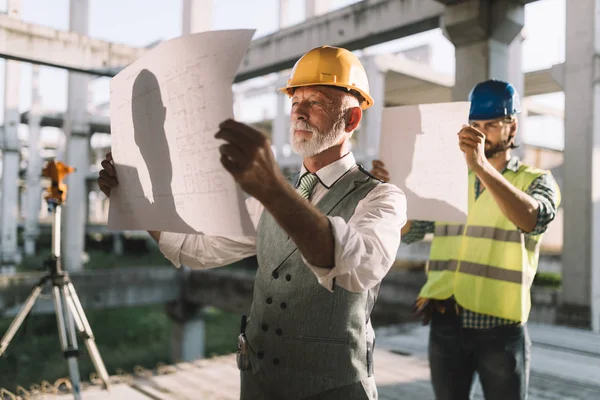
68,339
16,324
88,336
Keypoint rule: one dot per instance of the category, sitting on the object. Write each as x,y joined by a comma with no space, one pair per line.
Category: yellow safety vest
487,264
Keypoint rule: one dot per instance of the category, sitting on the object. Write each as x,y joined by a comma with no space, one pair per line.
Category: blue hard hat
493,99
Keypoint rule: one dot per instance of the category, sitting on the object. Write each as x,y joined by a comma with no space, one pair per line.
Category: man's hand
472,142
379,171
248,157
107,178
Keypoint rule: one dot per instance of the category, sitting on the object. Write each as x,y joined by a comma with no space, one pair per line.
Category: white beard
319,141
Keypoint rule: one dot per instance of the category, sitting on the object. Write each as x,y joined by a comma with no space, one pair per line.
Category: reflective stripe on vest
471,268
487,263
486,232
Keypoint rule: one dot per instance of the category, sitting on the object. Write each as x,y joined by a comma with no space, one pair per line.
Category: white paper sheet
419,146
165,109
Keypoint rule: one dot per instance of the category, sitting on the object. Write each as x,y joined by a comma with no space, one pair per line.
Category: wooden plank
117,392
556,374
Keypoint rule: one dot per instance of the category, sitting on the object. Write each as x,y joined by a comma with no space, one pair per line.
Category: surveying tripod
67,306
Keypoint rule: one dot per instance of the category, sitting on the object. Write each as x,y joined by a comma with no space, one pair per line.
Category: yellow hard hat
330,66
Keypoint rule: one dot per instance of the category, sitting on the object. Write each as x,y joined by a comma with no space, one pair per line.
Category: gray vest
304,338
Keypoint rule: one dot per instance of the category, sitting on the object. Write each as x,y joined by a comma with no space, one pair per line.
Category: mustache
303,126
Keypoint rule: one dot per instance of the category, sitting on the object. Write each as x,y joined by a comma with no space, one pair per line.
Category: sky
141,22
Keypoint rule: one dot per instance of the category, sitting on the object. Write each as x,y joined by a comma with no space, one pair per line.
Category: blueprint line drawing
165,109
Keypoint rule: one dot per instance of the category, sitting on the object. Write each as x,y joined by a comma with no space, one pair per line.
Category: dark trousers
500,357
258,387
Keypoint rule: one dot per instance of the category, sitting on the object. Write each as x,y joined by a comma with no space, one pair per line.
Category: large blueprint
165,109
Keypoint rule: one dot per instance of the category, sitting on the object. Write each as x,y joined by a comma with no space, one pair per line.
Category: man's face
317,120
499,134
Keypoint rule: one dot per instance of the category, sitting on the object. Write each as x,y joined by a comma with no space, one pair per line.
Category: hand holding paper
248,157
472,143
419,149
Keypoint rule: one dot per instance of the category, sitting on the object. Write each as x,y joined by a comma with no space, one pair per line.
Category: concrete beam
98,123
354,27
229,289
359,25
98,289
536,108
452,2
69,50
544,81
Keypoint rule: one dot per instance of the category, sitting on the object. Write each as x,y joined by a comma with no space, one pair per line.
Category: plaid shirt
544,190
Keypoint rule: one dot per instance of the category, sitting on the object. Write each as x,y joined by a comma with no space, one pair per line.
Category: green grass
125,338
548,279
101,256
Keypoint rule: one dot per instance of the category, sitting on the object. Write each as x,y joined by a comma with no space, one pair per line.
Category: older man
323,244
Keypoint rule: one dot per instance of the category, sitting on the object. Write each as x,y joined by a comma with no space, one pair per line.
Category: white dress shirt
365,246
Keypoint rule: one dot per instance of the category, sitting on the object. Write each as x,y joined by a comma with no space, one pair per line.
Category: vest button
288,277
269,300
265,327
283,305
260,355
275,274
279,331
276,361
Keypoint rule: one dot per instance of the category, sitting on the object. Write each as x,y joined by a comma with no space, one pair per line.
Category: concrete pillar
370,131
581,196
284,6
118,243
517,78
281,124
9,203
196,16
314,8
98,205
481,31
188,336
77,132
34,167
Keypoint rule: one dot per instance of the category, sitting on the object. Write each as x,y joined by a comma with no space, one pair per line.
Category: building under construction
487,38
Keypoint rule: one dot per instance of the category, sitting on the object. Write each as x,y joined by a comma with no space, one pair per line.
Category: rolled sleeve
365,246
546,192
199,251
418,230
170,246
203,252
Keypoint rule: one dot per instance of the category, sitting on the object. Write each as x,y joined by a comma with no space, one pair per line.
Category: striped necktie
307,183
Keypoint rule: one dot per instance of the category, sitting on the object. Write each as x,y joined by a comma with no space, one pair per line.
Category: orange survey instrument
56,172
67,307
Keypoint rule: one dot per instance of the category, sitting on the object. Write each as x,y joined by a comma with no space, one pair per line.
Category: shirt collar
330,174
513,164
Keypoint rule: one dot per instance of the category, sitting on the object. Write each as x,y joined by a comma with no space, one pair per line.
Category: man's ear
353,118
